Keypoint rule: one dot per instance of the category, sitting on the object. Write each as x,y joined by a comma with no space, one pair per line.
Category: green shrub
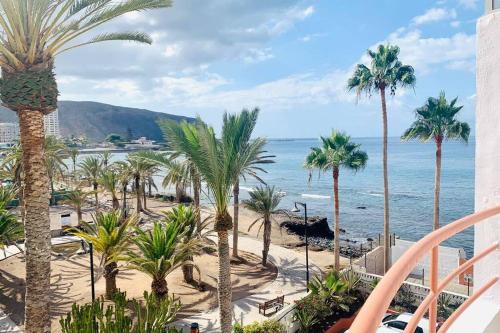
314,304
268,326
306,320
115,318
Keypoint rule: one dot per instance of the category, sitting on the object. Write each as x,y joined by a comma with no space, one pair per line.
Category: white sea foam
248,189
315,196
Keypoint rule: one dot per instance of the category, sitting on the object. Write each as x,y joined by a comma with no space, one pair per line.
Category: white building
9,132
51,124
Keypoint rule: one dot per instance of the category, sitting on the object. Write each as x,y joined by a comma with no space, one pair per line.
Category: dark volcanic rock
316,227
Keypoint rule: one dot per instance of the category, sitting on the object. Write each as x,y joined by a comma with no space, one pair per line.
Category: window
496,4
390,317
401,325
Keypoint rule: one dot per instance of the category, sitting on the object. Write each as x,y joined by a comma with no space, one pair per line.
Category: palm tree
111,237
179,172
336,151
109,180
125,174
386,72
161,250
34,33
215,161
139,168
105,157
10,229
194,230
264,201
55,153
76,198
250,155
437,121
91,168
73,154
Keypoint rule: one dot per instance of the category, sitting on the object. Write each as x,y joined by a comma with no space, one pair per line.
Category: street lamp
91,252
468,279
296,210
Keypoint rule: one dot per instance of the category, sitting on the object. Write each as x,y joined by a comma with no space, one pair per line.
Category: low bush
151,317
268,326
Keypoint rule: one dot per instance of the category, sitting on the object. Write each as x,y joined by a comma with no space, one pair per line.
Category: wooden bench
276,304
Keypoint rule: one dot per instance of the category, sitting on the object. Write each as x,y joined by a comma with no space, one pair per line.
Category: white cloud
471,4
455,24
434,15
257,55
172,50
426,54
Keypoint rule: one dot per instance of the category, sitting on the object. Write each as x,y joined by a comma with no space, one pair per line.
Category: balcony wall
487,188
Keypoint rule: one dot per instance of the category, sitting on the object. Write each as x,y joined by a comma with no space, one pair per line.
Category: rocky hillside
97,120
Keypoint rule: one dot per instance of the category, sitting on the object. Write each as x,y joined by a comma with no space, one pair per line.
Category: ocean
411,187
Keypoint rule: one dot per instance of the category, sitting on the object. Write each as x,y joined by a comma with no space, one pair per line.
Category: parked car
396,322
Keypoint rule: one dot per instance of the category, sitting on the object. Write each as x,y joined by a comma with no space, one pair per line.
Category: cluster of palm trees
435,121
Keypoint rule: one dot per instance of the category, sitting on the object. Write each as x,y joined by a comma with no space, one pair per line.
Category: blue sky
291,58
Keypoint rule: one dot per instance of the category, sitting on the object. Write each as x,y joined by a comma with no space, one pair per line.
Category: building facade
9,132
51,124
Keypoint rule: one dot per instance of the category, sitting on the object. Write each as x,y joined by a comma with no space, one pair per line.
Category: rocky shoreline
320,236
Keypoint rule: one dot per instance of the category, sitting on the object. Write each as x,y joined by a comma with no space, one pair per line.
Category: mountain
97,120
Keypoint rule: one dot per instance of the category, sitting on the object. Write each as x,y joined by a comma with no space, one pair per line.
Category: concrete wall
487,188
374,262
449,259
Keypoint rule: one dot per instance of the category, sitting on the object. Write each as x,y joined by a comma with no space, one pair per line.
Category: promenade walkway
289,282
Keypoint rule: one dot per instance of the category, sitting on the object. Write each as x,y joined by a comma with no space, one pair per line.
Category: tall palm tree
437,121
105,157
250,155
179,172
264,201
55,153
385,73
139,167
111,237
73,154
215,159
109,180
335,152
125,174
76,198
161,250
34,33
91,168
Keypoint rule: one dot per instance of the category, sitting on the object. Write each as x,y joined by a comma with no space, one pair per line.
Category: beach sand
71,277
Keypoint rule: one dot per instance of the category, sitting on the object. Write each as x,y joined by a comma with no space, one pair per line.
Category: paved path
290,282
6,324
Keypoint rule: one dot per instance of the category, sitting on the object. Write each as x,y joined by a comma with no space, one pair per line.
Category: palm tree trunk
159,287
336,247
150,189
138,205
236,213
37,223
387,251
224,287
437,182
96,197
124,195
110,273
116,203
144,195
79,214
187,271
52,198
267,239
196,195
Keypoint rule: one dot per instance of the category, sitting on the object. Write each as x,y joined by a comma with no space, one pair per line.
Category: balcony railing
376,305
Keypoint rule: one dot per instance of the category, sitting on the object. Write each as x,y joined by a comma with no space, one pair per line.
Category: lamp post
468,278
91,253
296,210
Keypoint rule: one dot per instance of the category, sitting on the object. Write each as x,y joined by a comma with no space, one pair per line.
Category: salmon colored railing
376,305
